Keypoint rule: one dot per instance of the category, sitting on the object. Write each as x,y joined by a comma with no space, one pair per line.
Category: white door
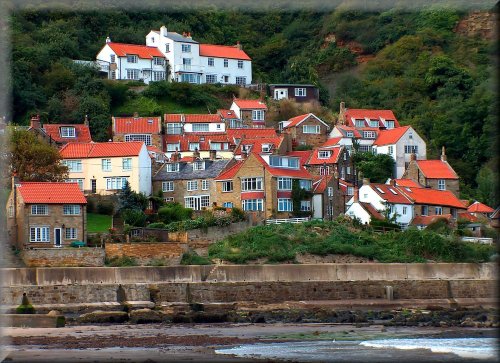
280,93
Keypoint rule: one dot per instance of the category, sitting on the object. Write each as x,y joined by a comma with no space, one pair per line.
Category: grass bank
98,222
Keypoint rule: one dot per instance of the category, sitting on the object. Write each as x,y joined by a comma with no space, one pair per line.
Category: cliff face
481,24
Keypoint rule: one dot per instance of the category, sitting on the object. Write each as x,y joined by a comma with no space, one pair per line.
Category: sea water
383,350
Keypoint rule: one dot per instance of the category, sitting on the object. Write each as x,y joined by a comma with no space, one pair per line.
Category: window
186,48
115,183
285,205
300,92
11,211
284,183
226,78
167,186
169,199
389,124
215,146
365,148
40,209
127,164
252,204
330,191
391,150
349,134
73,165
67,132
194,146
240,65
249,184
211,78
235,124
241,81
257,115
190,78
411,149
369,134
324,170
172,167
167,48
200,127
405,210
359,123
192,185
39,234
199,165
373,123
266,148
439,211
197,202
158,76
226,63
350,191
158,61
305,205
174,128
78,181
71,210
348,170
70,233
310,129
173,147
227,186
210,62
228,205
441,184
284,161
112,58
324,154
145,138
205,184
106,164
425,210
132,73
131,58
454,212
305,184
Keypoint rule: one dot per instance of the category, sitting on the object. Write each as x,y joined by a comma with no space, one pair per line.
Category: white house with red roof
105,167
177,123
45,214
190,61
252,113
132,62
367,118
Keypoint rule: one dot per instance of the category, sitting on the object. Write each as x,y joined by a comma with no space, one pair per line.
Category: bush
122,261
105,207
192,258
237,214
174,212
134,217
157,262
91,207
157,225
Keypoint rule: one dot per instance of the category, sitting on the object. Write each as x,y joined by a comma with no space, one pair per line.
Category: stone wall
145,253
64,257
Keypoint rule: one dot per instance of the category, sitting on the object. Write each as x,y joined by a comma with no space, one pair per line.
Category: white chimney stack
163,30
108,40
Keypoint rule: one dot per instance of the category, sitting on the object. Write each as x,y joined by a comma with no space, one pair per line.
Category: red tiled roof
82,133
358,113
222,51
344,184
334,141
252,195
203,139
407,183
51,193
100,149
173,117
227,113
389,137
154,149
385,192
433,197
250,104
468,216
257,144
304,155
349,128
426,220
478,207
294,121
142,51
251,133
137,125
436,169
320,183
300,173
231,171
192,118
372,211
333,159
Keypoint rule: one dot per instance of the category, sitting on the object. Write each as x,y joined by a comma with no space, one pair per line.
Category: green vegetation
376,167
25,307
122,261
98,222
278,243
192,258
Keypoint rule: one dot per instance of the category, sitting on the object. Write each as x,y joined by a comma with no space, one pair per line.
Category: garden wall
64,257
146,253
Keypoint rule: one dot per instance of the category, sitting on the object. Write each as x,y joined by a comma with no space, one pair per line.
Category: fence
482,240
287,220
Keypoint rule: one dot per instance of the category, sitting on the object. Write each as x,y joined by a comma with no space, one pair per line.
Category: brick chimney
356,195
413,157
443,154
189,34
175,156
86,120
196,154
35,122
342,112
213,154
238,45
136,114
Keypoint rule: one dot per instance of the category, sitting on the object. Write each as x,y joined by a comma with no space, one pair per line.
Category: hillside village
235,159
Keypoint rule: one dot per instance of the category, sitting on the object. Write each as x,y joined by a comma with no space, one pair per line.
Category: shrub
174,212
25,307
192,258
223,221
157,262
105,207
134,217
91,207
157,225
122,261
237,214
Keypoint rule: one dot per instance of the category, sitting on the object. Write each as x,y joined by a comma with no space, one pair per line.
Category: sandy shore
186,342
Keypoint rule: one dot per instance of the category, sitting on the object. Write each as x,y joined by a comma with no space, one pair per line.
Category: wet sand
187,342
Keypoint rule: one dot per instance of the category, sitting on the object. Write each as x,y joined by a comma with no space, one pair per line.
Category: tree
35,160
377,167
130,200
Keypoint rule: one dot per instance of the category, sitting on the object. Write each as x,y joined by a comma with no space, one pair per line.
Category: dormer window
186,48
198,165
246,148
360,123
194,146
266,148
324,154
350,134
389,124
373,123
68,132
369,134
172,167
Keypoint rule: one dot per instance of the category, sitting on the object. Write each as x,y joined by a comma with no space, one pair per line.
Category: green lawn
98,222
169,106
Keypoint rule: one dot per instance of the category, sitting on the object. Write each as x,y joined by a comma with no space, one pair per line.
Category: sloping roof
304,155
82,133
433,197
372,211
204,139
426,220
250,104
436,169
192,118
137,125
358,113
222,51
251,133
344,129
142,51
100,149
51,193
478,207
256,144
334,141
332,159
407,183
390,137
390,193
231,171
227,113
180,38
320,183
300,173
468,216
212,169
297,120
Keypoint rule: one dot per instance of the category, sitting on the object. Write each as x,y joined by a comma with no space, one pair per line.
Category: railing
482,240
287,220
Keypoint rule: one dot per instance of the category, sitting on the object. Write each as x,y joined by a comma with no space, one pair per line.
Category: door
280,93
57,237
93,186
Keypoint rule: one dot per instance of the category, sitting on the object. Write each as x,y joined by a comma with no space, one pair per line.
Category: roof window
380,190
393,191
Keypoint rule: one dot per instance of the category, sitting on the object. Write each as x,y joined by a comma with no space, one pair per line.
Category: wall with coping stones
70,257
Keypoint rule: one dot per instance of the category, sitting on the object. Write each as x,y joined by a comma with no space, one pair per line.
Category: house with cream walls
104,167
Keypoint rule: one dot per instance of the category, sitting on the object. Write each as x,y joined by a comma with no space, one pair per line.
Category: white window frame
369,134
70,233
211,78
205,184
192,185
438,211
158,76
284,183
159,61
169,199
373,123
132,58
112,58
305,184
193,146
39,210
174,128
300,92
241,81
258,115
40,234
201,127
211,62
74,166
305,205
186,48
324,154
359,123
285,205
106,165
173,147
330,191
227,186
240,64
306,129
425,210
198,165
411,149
349,134
257,203
324,170
172,167
251,184
132,73
145,138
78,181
441,184
67,131
226,62
72,210
115,183
167,186
126,164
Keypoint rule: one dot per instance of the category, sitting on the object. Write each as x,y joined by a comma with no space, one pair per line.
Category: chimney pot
163,30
